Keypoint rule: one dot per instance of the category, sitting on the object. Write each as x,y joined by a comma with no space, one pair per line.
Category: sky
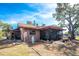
14,13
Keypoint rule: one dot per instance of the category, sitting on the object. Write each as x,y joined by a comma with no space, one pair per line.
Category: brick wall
27,36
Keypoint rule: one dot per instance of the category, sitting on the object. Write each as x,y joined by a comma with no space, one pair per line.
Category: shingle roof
51,27
39,27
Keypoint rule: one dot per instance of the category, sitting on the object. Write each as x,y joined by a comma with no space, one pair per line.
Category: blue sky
14,13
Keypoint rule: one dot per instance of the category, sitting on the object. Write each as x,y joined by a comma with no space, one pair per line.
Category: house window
32,32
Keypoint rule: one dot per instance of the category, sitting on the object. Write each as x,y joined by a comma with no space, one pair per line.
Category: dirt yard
38,49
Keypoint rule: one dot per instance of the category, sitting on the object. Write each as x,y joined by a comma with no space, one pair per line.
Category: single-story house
26,32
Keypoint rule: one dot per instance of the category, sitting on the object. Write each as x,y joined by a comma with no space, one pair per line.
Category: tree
4,28
68,16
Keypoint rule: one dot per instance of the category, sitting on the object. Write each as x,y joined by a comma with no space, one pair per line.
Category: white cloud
13,22
43,15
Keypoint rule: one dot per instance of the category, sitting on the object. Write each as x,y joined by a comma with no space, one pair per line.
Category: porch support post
21,30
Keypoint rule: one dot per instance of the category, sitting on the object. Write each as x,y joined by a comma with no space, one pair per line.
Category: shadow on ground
7,43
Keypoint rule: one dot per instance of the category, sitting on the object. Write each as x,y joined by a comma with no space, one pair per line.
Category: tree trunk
71,29
72,35
71,32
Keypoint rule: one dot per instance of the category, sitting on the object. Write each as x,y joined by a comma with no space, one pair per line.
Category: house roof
28,26
51,27
39,27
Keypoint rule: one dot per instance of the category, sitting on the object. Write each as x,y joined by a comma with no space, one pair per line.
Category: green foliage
65,11
66,33
1,34
4,28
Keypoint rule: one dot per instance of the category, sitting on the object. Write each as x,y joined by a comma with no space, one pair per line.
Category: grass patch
17,50
77,37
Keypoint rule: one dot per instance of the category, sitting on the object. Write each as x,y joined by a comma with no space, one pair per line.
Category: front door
32,34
